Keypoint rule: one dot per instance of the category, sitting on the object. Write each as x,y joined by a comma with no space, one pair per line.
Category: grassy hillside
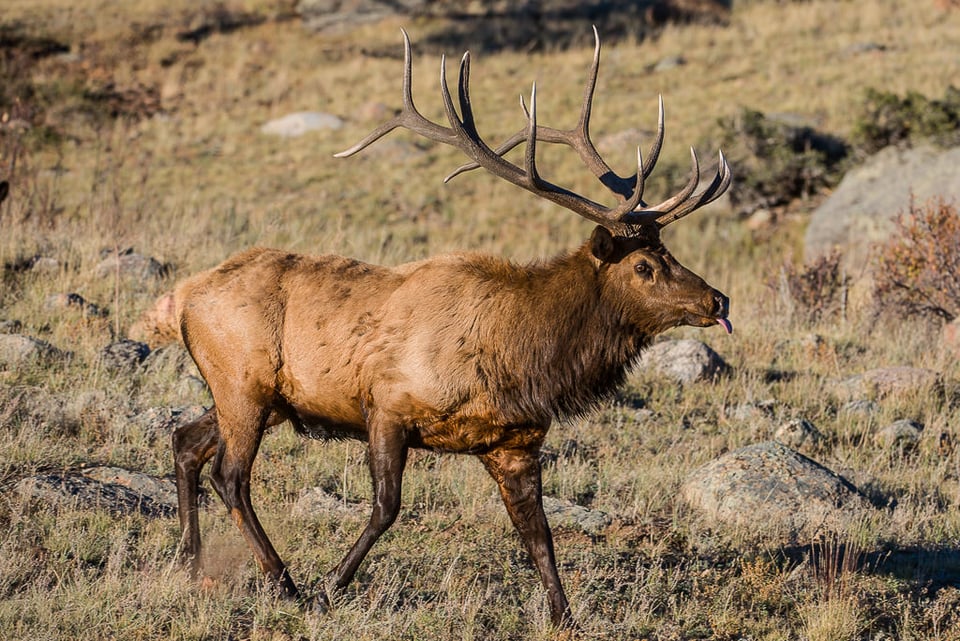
133,137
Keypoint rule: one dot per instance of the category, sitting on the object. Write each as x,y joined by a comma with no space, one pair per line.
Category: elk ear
601,243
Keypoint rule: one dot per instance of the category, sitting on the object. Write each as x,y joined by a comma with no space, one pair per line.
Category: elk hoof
319,604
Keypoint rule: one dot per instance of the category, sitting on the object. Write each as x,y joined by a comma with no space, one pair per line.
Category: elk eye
643,270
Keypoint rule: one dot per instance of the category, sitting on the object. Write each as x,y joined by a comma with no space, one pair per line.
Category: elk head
652,289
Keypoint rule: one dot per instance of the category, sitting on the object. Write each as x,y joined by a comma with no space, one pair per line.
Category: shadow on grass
532,26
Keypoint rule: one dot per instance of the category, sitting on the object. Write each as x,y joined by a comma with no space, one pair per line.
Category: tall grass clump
917,271
815,291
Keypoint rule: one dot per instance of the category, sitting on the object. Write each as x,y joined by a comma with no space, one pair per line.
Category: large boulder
17,350
862,209
113,489
775,493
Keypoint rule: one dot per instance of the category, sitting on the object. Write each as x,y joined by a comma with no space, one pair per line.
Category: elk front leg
388,457
517,473
241,429
193,445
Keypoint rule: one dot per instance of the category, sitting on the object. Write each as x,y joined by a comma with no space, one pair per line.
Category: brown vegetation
918,269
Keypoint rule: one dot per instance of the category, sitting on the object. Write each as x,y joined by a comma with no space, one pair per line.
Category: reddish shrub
917,271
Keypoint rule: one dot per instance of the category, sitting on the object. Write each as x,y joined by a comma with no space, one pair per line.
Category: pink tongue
726,325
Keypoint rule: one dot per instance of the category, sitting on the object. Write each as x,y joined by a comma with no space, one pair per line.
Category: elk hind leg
241,430
193,445
517,473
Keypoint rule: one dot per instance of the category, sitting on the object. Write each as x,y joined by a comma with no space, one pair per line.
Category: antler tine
463,92
721,181
654,154
462,134
578,138
409,117
657,211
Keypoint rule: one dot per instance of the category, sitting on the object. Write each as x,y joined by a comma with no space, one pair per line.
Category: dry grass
198,181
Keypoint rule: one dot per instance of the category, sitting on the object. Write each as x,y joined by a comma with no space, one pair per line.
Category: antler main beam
462,134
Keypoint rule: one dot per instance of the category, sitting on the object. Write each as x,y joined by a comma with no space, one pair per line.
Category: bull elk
465,353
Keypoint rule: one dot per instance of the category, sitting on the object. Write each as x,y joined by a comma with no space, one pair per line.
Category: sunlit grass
198,181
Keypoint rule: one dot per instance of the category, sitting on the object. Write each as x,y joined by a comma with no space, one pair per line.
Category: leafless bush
917,271
814,291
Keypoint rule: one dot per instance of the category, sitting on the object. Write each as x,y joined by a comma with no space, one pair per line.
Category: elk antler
462,134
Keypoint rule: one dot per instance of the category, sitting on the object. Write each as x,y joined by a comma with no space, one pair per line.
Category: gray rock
567,514
798,433
903,434
684,360
889,381
775,493
113,489
17,350
860,407
753,411
128,264
315,501
124,355
669,63
337,15
73,302
297,124
860,212
159,421
45,265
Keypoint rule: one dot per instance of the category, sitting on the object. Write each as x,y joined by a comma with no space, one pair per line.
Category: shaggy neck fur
571,345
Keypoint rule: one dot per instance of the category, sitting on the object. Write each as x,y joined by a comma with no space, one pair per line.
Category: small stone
296,124
128,264
860,407
753,411
75,302
903,434
798,433
669,63
374,111
567,514
124,354
315,501
890,381
45,265
684,360
12,326
163,420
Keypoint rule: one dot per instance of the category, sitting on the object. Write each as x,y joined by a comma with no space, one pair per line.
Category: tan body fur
463,353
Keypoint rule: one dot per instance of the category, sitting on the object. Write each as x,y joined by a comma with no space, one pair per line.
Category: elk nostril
720,304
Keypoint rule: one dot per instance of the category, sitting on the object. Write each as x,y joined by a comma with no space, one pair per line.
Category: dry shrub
917,271
815,291
777,160
886,118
